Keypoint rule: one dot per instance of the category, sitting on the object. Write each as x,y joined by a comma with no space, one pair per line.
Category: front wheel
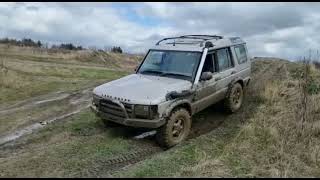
176,128
234,98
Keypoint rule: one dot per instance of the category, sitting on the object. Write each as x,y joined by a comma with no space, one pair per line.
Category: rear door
226,68
241,55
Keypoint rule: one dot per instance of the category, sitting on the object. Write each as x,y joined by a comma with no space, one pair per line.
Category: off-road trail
70,103
64,135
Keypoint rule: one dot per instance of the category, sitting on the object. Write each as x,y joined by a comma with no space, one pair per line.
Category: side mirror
206,76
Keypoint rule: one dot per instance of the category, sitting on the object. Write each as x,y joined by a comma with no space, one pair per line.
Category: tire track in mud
33,102
105,167
40,100
205,122
30,129
79,100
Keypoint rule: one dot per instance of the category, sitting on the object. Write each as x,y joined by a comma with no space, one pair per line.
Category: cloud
285,30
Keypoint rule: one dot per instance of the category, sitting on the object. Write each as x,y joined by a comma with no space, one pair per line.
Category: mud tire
175,130
234,98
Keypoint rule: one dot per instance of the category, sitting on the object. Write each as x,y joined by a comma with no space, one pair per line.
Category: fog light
141,111
145,112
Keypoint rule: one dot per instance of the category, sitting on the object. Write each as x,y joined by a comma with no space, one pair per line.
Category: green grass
47,58
178,161
18,84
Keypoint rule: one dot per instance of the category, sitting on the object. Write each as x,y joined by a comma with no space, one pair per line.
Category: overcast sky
285,30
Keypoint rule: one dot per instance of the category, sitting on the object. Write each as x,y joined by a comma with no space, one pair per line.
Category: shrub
116,49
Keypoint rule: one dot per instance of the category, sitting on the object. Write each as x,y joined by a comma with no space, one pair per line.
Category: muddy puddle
31,128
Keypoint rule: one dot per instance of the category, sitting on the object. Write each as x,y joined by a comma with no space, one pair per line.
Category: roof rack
200,37
209,36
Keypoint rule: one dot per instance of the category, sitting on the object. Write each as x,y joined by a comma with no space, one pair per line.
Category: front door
206,89
208,92
226,68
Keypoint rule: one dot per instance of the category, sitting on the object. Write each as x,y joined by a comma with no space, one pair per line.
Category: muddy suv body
177,78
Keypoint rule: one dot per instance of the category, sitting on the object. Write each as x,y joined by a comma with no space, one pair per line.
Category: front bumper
146,123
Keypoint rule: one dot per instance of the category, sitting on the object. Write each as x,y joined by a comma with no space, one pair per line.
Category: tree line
38,44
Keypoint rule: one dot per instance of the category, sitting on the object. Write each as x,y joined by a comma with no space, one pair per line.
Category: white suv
178,77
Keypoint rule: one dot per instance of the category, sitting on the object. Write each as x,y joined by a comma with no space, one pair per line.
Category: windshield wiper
151,71
174,74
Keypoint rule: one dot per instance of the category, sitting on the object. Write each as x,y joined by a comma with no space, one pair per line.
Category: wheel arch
237,80
178,104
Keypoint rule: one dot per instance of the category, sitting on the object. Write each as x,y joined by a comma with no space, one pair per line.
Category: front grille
113,110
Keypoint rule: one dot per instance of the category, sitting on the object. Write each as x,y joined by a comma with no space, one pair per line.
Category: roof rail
202,37
164,39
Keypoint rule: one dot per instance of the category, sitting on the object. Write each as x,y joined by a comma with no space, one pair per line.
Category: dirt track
72,104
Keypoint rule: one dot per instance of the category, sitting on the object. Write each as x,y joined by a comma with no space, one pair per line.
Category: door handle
217,79
233,72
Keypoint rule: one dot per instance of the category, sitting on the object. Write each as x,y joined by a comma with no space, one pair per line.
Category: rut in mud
72,103
203,122
106,167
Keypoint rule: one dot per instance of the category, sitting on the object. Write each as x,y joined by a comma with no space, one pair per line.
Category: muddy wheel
176,128
234,98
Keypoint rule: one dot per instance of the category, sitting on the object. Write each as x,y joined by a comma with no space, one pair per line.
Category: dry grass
270,143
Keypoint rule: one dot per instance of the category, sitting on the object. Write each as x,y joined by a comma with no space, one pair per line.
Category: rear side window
241,53
224,60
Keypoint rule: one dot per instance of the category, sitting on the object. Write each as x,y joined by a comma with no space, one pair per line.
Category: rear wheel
234,98
176,128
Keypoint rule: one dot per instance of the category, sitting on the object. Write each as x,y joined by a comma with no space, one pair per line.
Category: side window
208,65
241,53
224,60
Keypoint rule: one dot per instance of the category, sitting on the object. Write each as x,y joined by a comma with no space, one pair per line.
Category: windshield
177,64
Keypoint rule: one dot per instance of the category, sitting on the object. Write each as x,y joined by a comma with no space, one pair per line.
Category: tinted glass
224,60
241,53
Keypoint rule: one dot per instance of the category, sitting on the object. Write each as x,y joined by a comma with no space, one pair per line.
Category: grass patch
185,160
20,84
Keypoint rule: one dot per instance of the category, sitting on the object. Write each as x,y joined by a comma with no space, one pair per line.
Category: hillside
275,133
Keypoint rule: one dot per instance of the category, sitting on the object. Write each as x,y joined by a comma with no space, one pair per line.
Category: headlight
145,112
